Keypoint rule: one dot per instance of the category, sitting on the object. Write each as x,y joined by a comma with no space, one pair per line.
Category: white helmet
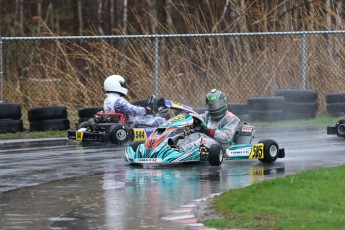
115,84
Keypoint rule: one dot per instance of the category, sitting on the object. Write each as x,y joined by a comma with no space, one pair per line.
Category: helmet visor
215,105
123,84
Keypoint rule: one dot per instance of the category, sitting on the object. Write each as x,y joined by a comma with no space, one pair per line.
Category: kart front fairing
156,148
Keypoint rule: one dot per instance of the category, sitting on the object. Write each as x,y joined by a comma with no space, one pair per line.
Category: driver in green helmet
220,124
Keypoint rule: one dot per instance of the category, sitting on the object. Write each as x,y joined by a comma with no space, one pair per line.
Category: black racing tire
245,117
135,145
118,134
266,103
10,111
215,155
335,98
271,151
266,115
340,128
238,108
301,107
47,113
334,108
11,126
52,124
297,95
87,112
83,124
299,116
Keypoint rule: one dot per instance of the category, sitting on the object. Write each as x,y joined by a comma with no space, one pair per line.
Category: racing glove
209,132
148,110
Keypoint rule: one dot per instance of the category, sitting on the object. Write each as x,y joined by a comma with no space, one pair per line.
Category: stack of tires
266,108
335,104
48,118
300,104
87,112
10,118
241,110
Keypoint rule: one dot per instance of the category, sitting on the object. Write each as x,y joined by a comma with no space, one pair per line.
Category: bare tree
169,22
222,16
39,14
80,18
328,13
124,18
152,6
99,17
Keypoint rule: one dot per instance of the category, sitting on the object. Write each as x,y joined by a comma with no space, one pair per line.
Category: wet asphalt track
68,186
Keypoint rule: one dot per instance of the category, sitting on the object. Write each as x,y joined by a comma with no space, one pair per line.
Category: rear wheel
215,155
118,134
271,151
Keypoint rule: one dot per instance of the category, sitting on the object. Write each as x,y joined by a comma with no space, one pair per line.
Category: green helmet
217,104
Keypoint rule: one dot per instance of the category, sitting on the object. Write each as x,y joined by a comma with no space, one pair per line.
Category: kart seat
244,134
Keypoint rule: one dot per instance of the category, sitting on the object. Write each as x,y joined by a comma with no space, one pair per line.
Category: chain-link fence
45,71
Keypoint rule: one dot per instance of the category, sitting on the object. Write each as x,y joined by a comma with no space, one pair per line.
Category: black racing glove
209,132
203,129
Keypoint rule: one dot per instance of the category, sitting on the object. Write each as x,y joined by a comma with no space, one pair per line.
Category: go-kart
338,129
161,147
113,127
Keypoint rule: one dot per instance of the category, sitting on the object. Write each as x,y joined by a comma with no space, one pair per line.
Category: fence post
1,72
155,44
304,61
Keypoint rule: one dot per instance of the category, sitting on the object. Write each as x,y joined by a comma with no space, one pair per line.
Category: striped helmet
217,104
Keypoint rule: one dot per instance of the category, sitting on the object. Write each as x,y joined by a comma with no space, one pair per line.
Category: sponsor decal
148,160
237,152
179,117
247,129
176,104
202,141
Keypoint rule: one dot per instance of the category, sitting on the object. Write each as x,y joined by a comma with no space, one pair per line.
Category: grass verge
307,200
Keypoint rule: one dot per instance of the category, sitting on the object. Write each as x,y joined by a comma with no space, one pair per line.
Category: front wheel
215,155
271,151
118,134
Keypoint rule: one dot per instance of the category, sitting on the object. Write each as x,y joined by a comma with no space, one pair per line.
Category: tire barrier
300,104
86,113
48,118
335,104
10,118
241,110
266,108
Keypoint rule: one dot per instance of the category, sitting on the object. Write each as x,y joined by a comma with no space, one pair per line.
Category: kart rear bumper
88,137
281,153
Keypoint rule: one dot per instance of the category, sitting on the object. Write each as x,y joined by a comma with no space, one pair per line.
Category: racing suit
114,103
221,132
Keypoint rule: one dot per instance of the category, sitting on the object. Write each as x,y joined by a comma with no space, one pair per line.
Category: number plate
79,136
139,135
257,151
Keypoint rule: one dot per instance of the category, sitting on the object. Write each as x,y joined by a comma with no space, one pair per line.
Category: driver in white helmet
115,89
